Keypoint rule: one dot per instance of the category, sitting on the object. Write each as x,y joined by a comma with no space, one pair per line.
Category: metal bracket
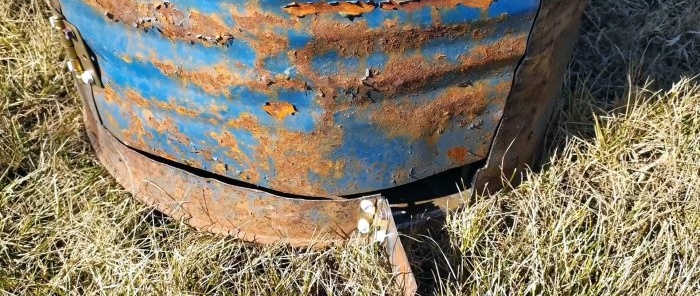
81,62
385,232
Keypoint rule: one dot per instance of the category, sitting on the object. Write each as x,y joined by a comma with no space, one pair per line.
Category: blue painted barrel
322,98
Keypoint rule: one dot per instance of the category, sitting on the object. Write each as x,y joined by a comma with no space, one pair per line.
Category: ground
615,211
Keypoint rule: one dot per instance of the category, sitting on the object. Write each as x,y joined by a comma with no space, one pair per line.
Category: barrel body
312,99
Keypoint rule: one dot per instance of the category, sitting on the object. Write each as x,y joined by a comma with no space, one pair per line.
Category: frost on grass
615,212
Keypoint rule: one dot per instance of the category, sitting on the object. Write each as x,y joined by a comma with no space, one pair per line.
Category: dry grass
615,213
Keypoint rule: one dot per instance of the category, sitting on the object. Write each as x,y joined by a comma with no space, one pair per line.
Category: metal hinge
81,62
383,230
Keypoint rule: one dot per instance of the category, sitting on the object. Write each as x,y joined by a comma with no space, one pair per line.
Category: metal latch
383,230
81,62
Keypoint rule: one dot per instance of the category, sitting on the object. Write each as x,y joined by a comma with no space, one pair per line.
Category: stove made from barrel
290,122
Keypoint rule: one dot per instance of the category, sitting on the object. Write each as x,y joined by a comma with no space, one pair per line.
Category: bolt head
87,77
368,207
363,226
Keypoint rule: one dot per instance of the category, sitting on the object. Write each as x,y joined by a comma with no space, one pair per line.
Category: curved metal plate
261,216
217,207
308,99
519,141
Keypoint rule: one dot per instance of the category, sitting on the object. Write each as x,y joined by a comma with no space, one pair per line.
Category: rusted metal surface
312,99
357,8
211,205
316,99
389,235
520,137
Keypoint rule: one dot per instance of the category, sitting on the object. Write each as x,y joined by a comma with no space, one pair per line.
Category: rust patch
343,8
229,142
358,39
408,75
295,153
165,18
252,18
220,169
248,214
110,95
172,106
169,128
259,29
254,28
353,9
136,132
297,150
192,26
505,49
458,154
399,119
137,99
403,74
280,110
218,79
410,5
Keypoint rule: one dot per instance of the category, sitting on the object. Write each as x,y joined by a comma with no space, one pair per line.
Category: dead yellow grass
615,212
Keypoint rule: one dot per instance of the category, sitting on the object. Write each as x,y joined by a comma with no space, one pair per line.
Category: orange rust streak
193,26
290,151
220,78
357,9
399,119
133,96
409,74
413,5
344,8
227,140
111,95
279,110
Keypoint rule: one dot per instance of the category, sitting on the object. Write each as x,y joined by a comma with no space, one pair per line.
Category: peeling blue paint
373,158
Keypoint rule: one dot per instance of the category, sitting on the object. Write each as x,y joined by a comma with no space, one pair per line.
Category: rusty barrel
269,118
